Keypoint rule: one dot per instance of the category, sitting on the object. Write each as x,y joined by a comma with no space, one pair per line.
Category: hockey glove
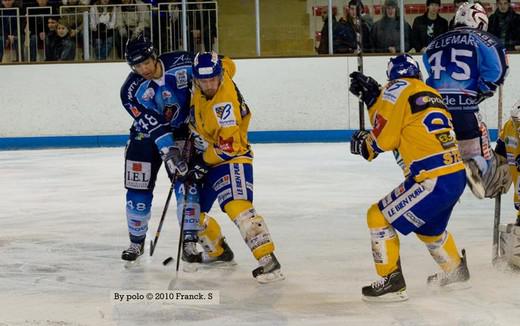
198,170
174,162
359,145
364,87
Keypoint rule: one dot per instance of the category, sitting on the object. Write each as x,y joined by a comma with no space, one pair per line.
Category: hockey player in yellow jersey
409,118
508,147
219,119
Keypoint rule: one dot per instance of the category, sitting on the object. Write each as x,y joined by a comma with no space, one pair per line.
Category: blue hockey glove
364,87
198,170
174,162
359,145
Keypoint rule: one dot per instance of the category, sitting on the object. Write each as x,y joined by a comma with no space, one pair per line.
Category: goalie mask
471,15
403,66
515,116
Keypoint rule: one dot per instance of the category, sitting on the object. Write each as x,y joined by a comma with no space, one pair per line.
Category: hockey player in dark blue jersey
157,96
467,65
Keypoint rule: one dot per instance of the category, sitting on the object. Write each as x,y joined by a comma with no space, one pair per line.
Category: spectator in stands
456,5
72,17
102,24
36,26
504,23
202,26
345,33
323,47
64,47
50,38
385,35
428,26
131,21
8,31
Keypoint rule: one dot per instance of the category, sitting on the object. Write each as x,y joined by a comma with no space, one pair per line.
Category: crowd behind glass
79,30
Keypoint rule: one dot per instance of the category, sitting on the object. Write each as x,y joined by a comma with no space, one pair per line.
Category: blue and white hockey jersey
465,65
160,107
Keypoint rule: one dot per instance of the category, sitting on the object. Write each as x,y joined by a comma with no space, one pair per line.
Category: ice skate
391,288
269,270
132,254
474,177
458,278
195,259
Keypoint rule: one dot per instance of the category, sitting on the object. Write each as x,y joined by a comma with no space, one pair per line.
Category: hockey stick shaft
165,210
359,42
498,200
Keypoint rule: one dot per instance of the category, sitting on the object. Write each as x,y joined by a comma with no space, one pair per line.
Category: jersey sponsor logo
148,94
171,112
226,144
224,195
181,76
394,89
405,202
238,182
379,124
424,100
225,115
131,89
447,139
166,94
135,112
137,174
412,218
221,183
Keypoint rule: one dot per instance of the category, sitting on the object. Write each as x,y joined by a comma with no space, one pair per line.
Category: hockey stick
359,42
153,243
498,199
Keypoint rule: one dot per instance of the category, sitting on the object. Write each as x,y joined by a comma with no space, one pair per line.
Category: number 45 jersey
465,65
411,118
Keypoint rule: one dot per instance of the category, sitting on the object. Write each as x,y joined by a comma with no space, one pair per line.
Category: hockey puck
167,261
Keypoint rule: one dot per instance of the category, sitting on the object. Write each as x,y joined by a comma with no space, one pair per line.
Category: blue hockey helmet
207,65
138,50
401,66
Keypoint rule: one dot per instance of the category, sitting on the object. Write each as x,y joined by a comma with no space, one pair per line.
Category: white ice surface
62,229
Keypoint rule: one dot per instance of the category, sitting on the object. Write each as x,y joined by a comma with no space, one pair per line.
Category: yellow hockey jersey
510,140
222,121
410,117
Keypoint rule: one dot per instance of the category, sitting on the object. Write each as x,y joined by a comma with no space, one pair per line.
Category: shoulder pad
393,90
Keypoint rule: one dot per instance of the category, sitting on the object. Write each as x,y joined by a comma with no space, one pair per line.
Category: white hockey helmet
471,15
515,115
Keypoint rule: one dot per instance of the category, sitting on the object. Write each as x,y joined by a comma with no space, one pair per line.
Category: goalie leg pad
210,236
385,242
510,243
138,212
443,250
252,227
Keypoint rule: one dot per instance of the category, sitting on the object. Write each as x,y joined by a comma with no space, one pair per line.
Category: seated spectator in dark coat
385,35
50,38
428,26
504,23
65,47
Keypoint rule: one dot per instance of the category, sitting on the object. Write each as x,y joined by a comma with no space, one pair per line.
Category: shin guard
443,250
385,242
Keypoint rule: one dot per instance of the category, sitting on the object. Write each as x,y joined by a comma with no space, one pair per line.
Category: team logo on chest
171,111
224,114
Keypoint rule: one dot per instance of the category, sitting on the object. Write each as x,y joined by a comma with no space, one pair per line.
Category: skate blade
389,297
270,277
475,185
132,264
194,267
